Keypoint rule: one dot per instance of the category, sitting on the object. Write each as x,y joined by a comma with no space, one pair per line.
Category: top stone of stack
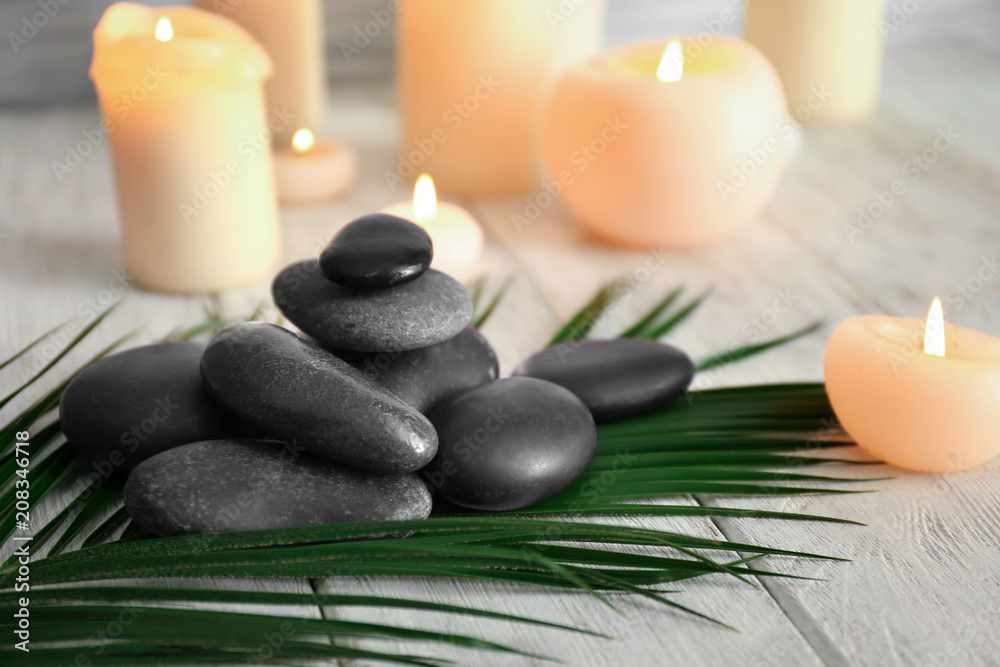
372,290
377,251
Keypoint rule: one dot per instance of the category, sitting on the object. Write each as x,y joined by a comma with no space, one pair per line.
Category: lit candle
920,395
670,143
181,95
473,76
292,33
313,171
828,53
457,237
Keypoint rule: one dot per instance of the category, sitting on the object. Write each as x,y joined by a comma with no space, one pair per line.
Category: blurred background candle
472,79
312,170
292,33
457,236
181,94
918,394
668,142
827,52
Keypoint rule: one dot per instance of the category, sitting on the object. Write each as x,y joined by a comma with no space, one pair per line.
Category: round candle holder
913,409
649,156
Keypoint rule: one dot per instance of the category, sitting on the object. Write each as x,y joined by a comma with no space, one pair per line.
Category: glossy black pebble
293,390
617,379
420,313
510,444
129,406
426,377
232,486
377,251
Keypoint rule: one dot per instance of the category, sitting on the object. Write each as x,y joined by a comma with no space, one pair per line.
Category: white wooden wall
52,65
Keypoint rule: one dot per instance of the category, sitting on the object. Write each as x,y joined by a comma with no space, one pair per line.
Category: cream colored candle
921,395
472,81
828,53
668,143
181,94
457,236
292,32
312,170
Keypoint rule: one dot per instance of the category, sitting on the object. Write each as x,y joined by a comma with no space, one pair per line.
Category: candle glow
424,199
670,133
164,30
303,141
457,237
671,67
934,331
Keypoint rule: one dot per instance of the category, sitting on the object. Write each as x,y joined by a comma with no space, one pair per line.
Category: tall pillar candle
827,52
292,33
472,80
181,94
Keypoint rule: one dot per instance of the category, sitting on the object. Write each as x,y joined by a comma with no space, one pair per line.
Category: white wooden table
924,587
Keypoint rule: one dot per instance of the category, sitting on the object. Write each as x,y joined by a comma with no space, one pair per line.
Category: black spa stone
616,379
427,376
233,486
377,251
295,391
129,406
510,444
420,313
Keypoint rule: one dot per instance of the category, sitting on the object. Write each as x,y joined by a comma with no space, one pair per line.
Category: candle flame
424,199
672,65
303,140
164,30
934,333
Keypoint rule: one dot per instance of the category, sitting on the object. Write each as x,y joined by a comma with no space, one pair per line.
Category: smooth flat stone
427,376
420,313
129,406
616,379
377,251
295,391
234,486
510,444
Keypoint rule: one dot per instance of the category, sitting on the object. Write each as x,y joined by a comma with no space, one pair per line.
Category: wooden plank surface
925,584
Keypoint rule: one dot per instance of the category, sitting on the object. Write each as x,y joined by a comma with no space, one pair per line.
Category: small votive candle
457,236
920,395
312,171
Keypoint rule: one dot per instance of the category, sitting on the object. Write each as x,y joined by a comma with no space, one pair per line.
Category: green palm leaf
739,441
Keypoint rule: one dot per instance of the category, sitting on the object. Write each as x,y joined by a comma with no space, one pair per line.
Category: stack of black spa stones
390,404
